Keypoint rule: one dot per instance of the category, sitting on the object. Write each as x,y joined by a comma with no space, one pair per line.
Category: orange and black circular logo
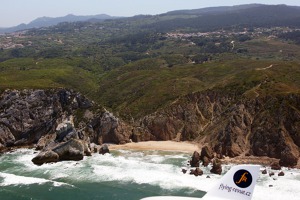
242,178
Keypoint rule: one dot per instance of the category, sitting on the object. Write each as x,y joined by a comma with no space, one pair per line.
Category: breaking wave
161,169
11,179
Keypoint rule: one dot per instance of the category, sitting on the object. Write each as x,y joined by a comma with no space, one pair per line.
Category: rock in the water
206,155
71,150
195,159
264,171
196,172
45,157
207,152
104,149
184,171
192,171
281,173
217,167
205,161
94,148
275,166
271,174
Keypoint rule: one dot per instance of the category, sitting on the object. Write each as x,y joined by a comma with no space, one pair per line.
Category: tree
16,53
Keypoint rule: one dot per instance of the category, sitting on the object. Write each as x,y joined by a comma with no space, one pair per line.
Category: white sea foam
148,169
58,176
11,179
145,167
286,187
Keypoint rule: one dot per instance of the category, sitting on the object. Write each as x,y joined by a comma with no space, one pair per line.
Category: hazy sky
14,12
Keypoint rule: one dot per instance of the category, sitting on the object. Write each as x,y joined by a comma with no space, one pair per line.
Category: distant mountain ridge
208,19
228,9
52,21
213,10
204,19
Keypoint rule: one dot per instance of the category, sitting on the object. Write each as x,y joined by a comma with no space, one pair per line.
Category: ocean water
122,175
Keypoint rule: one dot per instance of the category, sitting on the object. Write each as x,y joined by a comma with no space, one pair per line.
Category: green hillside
138,65
141,92
25,73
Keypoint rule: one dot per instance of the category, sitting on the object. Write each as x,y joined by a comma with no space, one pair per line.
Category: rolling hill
216,18
225,76
52,21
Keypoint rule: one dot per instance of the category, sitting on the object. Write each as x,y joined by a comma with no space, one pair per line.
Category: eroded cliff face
42,117
107,128
233,125
27,115
186,118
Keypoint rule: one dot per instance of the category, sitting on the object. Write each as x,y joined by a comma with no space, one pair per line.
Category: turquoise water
122,175
107,190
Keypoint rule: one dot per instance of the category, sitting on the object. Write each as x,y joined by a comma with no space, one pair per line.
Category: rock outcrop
70,150
275,166
45,157
45,141
48,117
195,162
104,149
107,128
196,172
230,123
205,161
206,155
26,116
281,173
233,124
217,167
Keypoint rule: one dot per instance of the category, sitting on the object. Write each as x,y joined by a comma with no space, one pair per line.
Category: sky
15,12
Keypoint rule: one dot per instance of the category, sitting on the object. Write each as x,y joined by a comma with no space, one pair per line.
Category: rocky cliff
232,124
46,117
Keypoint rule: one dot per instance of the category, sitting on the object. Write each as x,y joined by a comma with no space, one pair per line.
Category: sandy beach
159,145
189,147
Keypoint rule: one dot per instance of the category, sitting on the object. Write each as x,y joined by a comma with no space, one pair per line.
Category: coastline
173,146
128,175
186,147
190,147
